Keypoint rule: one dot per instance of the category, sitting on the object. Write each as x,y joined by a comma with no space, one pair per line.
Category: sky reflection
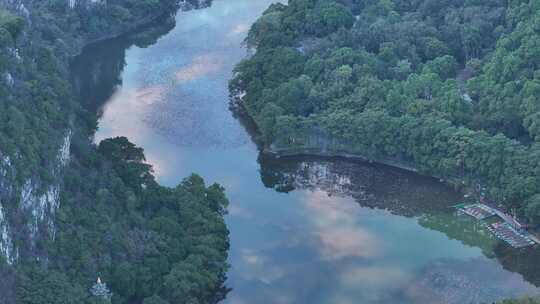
337,228
201,66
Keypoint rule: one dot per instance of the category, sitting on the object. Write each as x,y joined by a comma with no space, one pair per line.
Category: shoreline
289,153
457,183
238,109
131,29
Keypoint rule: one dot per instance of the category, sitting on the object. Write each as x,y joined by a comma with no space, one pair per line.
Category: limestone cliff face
73,3
27,211
28,204
27,207
22,4
15,6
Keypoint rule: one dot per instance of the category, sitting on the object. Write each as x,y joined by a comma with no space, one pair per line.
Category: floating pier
507,233
509,229
478,211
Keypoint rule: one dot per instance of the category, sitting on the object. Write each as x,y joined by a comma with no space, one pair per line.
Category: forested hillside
71,212
149,243
450,87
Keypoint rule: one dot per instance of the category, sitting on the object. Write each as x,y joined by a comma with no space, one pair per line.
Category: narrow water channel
304,230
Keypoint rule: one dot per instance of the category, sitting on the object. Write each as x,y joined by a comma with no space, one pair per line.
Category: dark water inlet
303,230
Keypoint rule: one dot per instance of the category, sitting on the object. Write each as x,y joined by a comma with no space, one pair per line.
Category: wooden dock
509,229
507,233
478,211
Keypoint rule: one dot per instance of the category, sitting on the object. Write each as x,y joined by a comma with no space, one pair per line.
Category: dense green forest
147,242
451,87
150,244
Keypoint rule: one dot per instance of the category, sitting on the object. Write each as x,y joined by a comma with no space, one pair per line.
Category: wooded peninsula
450,87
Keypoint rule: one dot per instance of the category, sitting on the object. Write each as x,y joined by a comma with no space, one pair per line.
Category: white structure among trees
101,290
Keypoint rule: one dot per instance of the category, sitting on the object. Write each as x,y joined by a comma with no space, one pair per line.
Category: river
303,230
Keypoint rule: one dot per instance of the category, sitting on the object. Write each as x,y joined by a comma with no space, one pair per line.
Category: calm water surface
303,230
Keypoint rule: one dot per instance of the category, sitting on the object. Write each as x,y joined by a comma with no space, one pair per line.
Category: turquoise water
303,230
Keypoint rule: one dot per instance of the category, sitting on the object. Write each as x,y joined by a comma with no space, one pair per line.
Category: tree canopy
449,86
149,243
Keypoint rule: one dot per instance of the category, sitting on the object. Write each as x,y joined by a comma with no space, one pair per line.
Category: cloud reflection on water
372,277
238,29
261,267
200,66
122,114
240,212
340,252
337,227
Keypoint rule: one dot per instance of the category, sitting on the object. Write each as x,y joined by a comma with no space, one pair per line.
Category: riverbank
290,153
163,15
238,108
270,150
160,17
472,193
